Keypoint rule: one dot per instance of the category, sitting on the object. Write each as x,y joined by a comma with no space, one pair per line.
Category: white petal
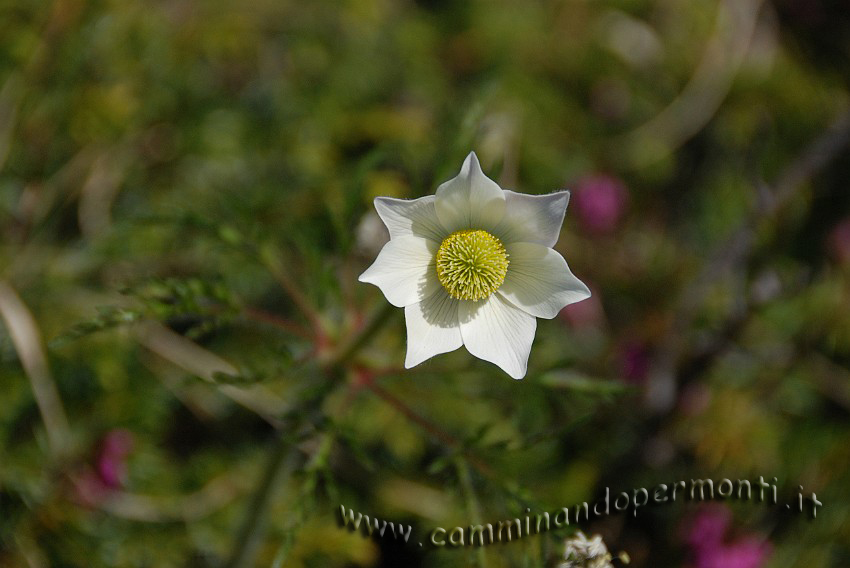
539,281
470,200
416,217
532,218
404,270
497,331
432,327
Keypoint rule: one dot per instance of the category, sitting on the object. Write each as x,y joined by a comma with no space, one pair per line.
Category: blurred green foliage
185,205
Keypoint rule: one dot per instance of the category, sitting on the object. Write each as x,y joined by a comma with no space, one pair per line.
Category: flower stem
281,463
435,431
276,321
473,509
272,262
381,316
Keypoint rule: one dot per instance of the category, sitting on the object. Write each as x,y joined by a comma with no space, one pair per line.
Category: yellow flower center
471,264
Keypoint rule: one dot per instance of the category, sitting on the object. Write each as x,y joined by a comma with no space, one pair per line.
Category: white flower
473,265
583,553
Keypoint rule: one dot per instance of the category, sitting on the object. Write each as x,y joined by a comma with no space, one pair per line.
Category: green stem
251,534
473,510
381,316
438,433
316,464
269,257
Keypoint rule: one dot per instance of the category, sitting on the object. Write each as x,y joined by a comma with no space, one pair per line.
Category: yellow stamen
471,264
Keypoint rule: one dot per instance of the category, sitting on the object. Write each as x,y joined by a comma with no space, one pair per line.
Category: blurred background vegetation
192,376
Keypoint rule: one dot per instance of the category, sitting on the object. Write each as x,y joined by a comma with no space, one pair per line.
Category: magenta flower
109,472
634,362
111,463
745,553
599,202
707,539
709,527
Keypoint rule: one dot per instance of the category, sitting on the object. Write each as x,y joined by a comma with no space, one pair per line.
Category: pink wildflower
600,201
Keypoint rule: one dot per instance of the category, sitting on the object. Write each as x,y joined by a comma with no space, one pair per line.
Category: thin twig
276,321
473,509
376,322
272,262
203,363
213,496
281,463
26,338
733,252
434,430
250,536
